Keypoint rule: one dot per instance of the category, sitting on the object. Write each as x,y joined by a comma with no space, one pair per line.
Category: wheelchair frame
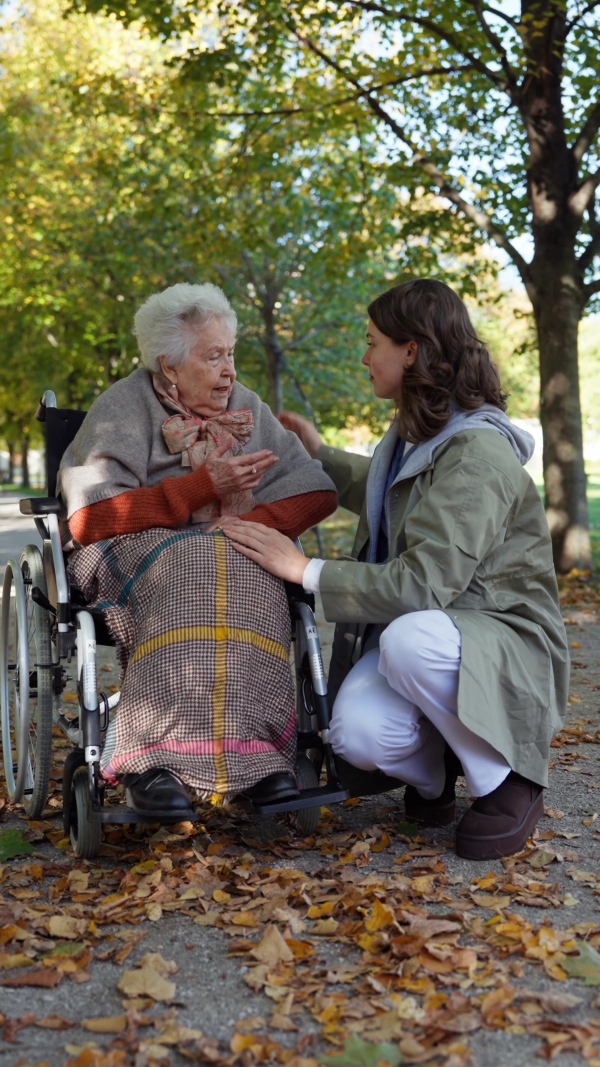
47,623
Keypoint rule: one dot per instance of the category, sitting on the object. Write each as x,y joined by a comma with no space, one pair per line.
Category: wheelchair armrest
40,505
297,594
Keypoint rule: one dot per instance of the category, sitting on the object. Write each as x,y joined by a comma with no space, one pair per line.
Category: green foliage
13,844
359,1053
585,965
127,165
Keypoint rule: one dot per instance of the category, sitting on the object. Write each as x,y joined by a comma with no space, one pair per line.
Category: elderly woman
203,634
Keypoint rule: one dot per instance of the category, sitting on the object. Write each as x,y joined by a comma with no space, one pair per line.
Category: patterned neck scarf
196,437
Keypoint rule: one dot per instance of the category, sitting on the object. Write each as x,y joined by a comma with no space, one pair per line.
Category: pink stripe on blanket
204,748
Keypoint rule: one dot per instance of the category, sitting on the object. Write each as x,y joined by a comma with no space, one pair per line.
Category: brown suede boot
500,823
440,811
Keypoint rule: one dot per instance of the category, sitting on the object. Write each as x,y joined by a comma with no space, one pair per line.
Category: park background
147,143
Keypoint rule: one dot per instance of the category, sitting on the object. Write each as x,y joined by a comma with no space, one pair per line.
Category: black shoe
278,786
440,811
157,794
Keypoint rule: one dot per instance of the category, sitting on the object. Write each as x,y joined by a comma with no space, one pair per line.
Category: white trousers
398,706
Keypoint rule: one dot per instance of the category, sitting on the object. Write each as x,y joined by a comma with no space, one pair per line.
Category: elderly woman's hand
271,549
303,429
235,474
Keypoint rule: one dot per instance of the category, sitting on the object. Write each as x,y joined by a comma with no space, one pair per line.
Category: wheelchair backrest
61,425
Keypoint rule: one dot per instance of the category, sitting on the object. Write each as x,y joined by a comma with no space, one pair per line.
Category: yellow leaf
317,911
325,927
383,843
18,959
241,1042
300,949
242,918
149,979
108,1024
66,926
381,917
221,897
272,949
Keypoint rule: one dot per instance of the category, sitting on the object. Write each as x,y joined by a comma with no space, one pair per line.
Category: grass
13,488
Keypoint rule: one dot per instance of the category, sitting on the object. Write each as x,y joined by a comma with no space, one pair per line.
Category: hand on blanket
271,549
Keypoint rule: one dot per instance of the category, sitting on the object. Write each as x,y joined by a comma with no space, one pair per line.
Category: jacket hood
420,457
487,416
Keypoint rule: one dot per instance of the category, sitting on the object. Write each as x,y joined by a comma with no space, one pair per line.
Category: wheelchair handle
48,400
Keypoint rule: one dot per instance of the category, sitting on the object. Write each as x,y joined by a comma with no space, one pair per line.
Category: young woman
451,645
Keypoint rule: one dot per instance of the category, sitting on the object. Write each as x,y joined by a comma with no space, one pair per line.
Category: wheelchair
50,630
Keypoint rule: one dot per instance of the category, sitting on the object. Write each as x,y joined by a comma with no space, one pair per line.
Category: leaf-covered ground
235,941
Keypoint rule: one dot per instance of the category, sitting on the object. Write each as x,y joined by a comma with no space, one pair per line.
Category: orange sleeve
296,514
168,504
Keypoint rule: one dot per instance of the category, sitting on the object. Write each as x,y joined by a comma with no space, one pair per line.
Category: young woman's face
386,362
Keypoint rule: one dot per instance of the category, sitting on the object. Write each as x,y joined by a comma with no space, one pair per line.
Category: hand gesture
235,474
303,429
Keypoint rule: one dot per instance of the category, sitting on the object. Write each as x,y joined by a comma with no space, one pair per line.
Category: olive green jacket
468,536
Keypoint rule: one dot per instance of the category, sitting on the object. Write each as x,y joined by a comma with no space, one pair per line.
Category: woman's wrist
312,575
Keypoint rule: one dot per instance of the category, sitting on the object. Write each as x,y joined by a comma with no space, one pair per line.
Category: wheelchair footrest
119,814
309,798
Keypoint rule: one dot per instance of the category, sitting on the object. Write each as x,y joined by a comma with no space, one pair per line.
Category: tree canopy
495,110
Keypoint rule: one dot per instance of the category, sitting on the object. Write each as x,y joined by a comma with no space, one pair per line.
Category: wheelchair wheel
307,819
86,836
26,684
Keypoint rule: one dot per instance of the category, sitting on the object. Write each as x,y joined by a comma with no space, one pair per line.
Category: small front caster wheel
86,836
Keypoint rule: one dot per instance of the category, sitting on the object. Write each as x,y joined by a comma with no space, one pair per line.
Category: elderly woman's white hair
168,323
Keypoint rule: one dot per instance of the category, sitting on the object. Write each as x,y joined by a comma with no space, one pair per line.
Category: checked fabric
203,635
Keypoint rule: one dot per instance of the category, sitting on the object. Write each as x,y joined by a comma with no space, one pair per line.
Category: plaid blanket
204,637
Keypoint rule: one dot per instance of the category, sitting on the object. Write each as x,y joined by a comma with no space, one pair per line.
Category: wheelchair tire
306,820
26,690
86,836
40,697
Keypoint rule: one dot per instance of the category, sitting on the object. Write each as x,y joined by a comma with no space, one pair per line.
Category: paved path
16,530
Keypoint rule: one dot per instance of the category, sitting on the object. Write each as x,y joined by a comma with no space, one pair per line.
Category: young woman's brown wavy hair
451,365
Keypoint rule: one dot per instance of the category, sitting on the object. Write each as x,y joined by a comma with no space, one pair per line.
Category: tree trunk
25,462
11,463
558,311
275,365
553,279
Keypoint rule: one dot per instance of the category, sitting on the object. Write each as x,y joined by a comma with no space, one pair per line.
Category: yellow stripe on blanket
220,685
209,633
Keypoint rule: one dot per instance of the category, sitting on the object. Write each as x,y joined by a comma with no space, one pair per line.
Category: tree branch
433,72
583,196
592,249
589,7
443,35
495,42
590,290
420,159
500,14
587,134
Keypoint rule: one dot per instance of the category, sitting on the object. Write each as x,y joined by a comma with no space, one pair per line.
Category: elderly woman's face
204,382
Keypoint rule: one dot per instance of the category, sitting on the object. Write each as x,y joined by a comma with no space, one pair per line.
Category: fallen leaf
108,1024
359,1053
149,979
46,979
585,965
272,949
66,926
12,843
